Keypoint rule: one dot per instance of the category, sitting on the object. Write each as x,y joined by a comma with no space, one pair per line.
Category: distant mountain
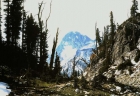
74,44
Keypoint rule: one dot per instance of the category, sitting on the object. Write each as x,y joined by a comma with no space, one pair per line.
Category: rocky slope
125,57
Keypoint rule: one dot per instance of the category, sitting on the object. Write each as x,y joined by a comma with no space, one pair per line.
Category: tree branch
49,14
84,61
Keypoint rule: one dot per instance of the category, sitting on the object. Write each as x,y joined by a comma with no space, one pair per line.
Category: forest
26,61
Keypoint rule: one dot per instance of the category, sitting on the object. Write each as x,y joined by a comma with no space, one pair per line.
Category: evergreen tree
0,24
134,8
15,20
57,67
53,50
83,82
112,29
24,37
105,36
42,40
31,34
45,51
7,21
98,38
23,28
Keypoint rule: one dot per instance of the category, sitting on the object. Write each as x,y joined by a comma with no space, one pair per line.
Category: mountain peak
74,44
74,39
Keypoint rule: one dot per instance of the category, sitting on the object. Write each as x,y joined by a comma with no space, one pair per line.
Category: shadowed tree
53,49
15,20
134,8
0,24
98,38
7,21
42,40
57,67
31,34
23,32
23,28
112,29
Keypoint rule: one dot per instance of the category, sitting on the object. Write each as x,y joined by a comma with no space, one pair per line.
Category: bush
83,82
124,65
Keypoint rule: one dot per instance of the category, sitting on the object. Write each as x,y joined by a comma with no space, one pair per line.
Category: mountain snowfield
74,44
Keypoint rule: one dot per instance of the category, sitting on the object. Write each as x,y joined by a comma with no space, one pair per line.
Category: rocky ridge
125,58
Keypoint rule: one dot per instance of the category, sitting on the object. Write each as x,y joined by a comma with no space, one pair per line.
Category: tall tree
31,34
7,21
134,8
0,24
98,38
112,28
57,67
53,49
24,37
30,39
45,50
42,41
16,18
23,27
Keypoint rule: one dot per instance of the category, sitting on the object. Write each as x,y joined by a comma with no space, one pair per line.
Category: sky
79,15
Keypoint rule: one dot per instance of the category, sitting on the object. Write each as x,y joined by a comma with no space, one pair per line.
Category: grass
66,91
39,83
69,91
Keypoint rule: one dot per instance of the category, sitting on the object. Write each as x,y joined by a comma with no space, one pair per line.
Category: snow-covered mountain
74,44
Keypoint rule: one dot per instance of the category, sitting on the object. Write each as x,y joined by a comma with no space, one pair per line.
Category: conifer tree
23,28
83,82
15,20
98,38
31,34
112,29
24,37
53,50
7,21
134,8
0,24
45,51
57,67
42,40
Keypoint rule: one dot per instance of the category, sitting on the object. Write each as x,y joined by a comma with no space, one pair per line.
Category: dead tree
42,37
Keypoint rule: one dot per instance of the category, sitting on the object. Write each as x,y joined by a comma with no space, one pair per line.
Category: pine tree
98,38
23,28
53,50
42,39
83,82
45,51
112,29
7,21
134,8
0,24
24,37
57,67
31,34
15,20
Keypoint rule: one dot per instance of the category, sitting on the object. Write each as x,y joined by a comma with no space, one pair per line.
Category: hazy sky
80,15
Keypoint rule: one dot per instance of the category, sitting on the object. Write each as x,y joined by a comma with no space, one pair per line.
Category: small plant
124,65
83,82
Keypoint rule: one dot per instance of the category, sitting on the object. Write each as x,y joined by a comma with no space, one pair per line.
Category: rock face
74,44
125,56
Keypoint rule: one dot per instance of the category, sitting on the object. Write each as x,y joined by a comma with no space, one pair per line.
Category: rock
77,90
118,89
124,58
68,85
86,93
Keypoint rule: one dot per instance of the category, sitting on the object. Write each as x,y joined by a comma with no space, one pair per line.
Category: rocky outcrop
125,67
125,57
